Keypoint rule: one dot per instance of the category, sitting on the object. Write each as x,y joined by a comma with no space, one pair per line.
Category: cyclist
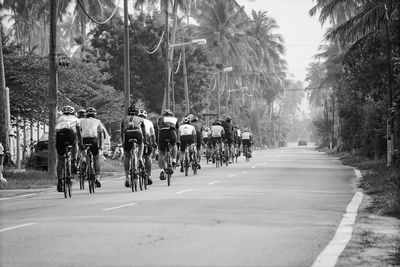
92,133
247,139
150,137
206,136
132,127
68,133
199,128
186,137
238,138
228,137
167,127
217,132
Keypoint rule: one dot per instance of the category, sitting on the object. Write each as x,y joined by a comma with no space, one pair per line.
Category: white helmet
142,113
68,110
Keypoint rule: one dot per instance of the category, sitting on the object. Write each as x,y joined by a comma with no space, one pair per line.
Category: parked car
302,143
41,152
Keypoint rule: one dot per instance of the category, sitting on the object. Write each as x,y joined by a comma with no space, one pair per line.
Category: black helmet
236,126
186,120
217,122
81,113
167,112
132,110
91,112
228,119
195,118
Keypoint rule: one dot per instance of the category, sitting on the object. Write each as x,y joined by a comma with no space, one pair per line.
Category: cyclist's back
92,133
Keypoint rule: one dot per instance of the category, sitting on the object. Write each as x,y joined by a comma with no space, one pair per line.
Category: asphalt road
280,209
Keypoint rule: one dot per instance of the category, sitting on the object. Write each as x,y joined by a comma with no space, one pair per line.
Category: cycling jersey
205,134
186,129
246,135
167,122
217,131
67,122
91,127
149,127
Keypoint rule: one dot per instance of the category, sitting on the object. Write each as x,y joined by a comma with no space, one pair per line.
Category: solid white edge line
120,207
184,191
16,227
330,255
21,196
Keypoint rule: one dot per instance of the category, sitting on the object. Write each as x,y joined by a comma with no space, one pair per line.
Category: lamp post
185,82
228,69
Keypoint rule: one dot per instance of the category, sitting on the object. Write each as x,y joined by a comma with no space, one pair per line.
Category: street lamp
185,82
228,69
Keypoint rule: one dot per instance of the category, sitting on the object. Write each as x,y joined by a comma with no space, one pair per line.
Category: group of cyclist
167,133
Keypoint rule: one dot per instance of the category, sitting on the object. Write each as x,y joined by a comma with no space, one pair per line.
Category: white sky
303,34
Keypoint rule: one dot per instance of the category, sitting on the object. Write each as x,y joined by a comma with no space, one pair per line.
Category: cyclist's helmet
236,126
217,122
81,113
246,130
167,112
132,110
142,113
68,110
228,119
186,121
207,129
91,112
195,118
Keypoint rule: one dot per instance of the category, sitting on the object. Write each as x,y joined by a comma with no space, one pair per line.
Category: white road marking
213,182
184,191
253,167
231,175
120,207
26,195
16,227
331,253
243,172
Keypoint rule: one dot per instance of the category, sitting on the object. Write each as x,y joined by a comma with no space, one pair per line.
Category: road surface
280,209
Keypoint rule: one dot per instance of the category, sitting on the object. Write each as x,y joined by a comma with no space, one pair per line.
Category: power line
94,20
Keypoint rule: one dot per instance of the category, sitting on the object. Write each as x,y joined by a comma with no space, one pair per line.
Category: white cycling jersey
91,127
217,131
246,135
187,129
67,122
149,127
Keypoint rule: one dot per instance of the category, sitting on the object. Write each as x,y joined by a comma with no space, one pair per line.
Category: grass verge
30,179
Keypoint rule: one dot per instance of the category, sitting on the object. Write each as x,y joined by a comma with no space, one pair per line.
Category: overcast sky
303,34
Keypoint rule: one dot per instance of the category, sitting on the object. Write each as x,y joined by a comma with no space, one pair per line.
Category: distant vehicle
41,152
302,143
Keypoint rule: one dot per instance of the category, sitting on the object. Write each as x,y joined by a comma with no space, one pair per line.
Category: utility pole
390,126
5,131
53,89
185,81
126,59
167,63
218,96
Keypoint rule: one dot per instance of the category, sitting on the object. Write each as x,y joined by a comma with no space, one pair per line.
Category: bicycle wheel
82,168
141,178
90,175
132,173
64,173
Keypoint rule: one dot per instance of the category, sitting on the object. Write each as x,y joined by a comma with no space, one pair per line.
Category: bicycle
195,159
67,172
226,154
89,169
142,173
246,152
186,160
82,170
216,155
168,170
133,164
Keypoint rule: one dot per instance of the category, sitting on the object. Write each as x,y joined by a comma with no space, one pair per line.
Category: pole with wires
126,59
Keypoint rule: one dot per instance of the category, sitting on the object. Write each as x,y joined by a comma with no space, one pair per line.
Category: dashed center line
253,167
16,227
184,191
231,175
120,207
243,172
213,182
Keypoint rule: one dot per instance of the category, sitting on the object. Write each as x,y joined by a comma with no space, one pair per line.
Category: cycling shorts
229,139
64,138
92,141
132,134
198,140
246,142
186,140
163,135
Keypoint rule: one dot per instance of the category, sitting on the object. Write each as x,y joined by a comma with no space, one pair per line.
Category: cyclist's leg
61,148
182,151
127,157
173,146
